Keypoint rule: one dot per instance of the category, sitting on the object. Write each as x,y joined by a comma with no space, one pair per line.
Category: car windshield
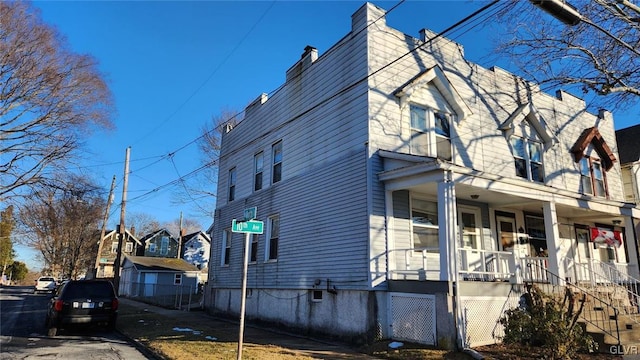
89,290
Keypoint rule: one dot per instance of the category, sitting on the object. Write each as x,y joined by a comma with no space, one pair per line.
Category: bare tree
199,188
598,56
7,253
50,98
62,222
142,223
189,226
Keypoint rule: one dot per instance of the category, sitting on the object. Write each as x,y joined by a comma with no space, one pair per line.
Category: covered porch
450,223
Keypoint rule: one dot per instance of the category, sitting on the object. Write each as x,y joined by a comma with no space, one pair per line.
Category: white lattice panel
480,316
413,317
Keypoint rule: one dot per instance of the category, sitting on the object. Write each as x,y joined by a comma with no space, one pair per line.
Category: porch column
632,247
447,233
553,240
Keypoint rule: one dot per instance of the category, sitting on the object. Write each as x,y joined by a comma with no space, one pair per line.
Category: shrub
549,322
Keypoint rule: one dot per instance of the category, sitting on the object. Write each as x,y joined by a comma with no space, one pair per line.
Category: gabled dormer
593,155
430,106
528,136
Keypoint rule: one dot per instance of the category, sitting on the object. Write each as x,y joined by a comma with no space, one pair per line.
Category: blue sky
174,65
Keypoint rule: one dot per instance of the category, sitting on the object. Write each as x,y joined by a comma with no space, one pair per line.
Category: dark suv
82,302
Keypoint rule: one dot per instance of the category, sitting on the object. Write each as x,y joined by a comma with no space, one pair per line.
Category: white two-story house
407,193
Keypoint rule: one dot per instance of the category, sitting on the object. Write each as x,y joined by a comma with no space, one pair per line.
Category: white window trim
478,229
430,131
412,225
226,242
267,247
257,170
527,160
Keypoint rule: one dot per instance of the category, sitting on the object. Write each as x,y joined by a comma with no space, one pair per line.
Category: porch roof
422,174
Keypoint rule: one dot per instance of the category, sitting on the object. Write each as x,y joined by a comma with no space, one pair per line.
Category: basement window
316,295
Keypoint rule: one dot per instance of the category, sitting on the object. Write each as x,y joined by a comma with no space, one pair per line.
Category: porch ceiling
505,201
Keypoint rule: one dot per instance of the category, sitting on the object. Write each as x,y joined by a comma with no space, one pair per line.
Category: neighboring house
196,248
408,193
629,148
154,277
109,248
159,244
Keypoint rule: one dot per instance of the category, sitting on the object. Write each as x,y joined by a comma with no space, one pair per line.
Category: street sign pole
248,227
243,299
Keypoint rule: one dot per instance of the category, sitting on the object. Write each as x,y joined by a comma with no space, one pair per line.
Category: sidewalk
298,345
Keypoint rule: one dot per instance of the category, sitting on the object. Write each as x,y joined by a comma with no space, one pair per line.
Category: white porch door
469,222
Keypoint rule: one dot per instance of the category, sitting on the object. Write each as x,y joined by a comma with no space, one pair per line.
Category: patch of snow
211,338
181,329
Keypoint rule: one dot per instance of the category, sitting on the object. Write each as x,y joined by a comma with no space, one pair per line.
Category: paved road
23,334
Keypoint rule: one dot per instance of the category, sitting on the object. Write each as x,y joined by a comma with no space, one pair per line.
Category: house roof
128,235
194,235
628,144
439,79
530,112
592,136
153,234
144,263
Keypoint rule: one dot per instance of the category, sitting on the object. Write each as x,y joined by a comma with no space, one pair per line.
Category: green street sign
251,227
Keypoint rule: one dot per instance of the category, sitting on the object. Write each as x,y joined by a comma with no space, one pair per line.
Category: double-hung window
430,132
114,247
424,221
232,184
527,154
177,279
258,164
271,246
128,247
253,254
276,174
226,247
164,246
592,177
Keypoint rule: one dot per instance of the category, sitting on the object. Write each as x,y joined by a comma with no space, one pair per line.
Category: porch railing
596,312
607,280
534,269
415,263
486,265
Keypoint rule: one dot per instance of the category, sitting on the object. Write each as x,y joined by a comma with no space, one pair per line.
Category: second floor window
430,132
232,184
277,162
164,246
527,154
592,177
128,247
258,165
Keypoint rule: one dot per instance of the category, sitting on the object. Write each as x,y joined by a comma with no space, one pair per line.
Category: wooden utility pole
180,237
104,225
121,228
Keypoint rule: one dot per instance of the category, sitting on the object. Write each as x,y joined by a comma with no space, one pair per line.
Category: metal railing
608,280
598,313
